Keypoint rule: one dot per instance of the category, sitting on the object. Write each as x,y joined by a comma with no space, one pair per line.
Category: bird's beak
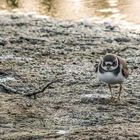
108,67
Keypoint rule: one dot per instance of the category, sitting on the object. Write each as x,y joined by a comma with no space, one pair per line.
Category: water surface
117,10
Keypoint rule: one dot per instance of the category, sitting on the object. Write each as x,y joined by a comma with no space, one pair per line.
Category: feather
125,70
96,68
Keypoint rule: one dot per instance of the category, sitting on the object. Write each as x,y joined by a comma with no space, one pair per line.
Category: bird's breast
110,78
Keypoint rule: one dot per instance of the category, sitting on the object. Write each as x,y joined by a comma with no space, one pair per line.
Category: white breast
110,78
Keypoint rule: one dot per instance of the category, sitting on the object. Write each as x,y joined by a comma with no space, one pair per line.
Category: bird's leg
110,89
120,90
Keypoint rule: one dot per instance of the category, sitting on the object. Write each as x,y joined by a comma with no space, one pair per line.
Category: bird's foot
117,100
114,99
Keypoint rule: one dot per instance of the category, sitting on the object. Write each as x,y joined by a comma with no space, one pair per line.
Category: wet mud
35,51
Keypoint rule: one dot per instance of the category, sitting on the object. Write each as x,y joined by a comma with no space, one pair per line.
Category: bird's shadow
103,99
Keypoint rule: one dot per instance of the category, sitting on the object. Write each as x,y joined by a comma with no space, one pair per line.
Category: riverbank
35,51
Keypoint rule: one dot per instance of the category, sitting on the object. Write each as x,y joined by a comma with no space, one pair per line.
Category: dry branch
42,89
9,90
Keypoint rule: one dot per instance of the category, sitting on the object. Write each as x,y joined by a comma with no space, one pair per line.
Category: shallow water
116,10
4,79
62,132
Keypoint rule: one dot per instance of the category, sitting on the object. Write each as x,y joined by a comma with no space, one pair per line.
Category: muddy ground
35,51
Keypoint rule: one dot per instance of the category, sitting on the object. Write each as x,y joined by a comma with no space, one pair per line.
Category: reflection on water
12,3
78,9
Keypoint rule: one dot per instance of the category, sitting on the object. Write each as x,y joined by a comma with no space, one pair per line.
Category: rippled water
118,10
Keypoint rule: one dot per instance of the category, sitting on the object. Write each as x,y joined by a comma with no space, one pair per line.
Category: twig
41,90
10,90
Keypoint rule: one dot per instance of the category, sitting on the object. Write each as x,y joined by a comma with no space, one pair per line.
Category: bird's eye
114,63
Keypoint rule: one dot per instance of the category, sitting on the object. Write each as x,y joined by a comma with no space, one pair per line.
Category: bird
112,69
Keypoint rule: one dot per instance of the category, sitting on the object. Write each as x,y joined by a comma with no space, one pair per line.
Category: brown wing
125,70
96,67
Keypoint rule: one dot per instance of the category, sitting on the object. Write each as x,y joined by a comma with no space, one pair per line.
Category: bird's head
109,62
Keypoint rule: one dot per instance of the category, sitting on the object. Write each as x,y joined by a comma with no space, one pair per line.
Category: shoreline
124,24
35,51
